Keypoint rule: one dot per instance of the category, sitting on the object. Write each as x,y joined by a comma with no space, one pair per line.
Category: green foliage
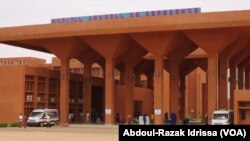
13,124
3,124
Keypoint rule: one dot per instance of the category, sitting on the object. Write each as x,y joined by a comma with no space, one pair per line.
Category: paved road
71,133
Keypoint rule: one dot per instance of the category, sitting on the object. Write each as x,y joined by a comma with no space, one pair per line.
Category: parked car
38,117
222,117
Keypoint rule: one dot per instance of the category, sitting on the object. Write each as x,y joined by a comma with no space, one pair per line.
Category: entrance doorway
97,105
137,108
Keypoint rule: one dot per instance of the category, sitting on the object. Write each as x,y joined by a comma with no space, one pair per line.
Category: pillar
212,83
204,100
182,96
87,93
223,80
129,92
64,91
174,88
232,84
158,89
247,78
109,91
240,77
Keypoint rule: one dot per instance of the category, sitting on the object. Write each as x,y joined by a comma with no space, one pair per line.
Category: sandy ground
71,133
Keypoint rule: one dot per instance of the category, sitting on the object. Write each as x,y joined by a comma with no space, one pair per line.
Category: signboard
126,15
157,111
107,111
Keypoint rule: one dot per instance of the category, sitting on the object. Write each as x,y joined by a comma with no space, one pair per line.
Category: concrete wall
194,93
141,94
146,96
11,93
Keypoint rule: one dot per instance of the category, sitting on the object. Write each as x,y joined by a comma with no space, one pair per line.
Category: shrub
3,124
13,124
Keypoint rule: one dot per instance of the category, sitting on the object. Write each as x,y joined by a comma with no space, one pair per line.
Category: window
29,98
243,114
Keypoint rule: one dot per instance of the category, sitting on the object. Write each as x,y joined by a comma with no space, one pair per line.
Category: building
170,39
31,84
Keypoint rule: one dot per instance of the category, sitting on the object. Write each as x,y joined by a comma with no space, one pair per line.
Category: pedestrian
117,118
25,118
129,119
20,120
206,119
152,117
166,118
144,119
48,121
121,118
173,118
87,117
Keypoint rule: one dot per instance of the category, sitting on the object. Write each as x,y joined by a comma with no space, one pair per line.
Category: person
25,118
166,118
121,118
20,119
117,118
173,118
152,117
87,117
129,119
48,121
144,119
206,119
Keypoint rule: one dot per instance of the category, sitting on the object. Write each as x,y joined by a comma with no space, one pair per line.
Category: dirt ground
71,133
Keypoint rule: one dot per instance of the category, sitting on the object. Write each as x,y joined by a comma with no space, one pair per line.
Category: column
232,84
174,88
240,77
212,83
182,96
223,101
129,92
64,92
158,89
87,89
247,78
109,91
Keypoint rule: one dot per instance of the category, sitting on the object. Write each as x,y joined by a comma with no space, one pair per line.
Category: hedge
3,124
12,124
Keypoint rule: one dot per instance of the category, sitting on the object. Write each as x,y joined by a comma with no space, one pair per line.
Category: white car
222,117
38,117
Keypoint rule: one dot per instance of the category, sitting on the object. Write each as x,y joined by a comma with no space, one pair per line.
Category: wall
241,96
191,95
195,92
141,94
120,93
146,96
11,93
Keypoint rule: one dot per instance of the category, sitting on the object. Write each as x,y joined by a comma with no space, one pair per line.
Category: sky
29,12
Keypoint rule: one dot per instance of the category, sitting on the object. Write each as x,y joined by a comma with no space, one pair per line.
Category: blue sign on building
127,15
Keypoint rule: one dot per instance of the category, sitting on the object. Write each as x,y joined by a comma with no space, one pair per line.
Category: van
223,117
38,117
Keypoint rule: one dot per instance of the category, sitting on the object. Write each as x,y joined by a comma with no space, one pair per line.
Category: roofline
133,25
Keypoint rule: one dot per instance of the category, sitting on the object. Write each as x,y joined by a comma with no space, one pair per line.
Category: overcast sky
28,12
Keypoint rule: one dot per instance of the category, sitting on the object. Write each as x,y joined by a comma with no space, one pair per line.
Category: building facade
124,43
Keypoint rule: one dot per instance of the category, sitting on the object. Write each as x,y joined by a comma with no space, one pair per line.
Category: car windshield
36,114
220,116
